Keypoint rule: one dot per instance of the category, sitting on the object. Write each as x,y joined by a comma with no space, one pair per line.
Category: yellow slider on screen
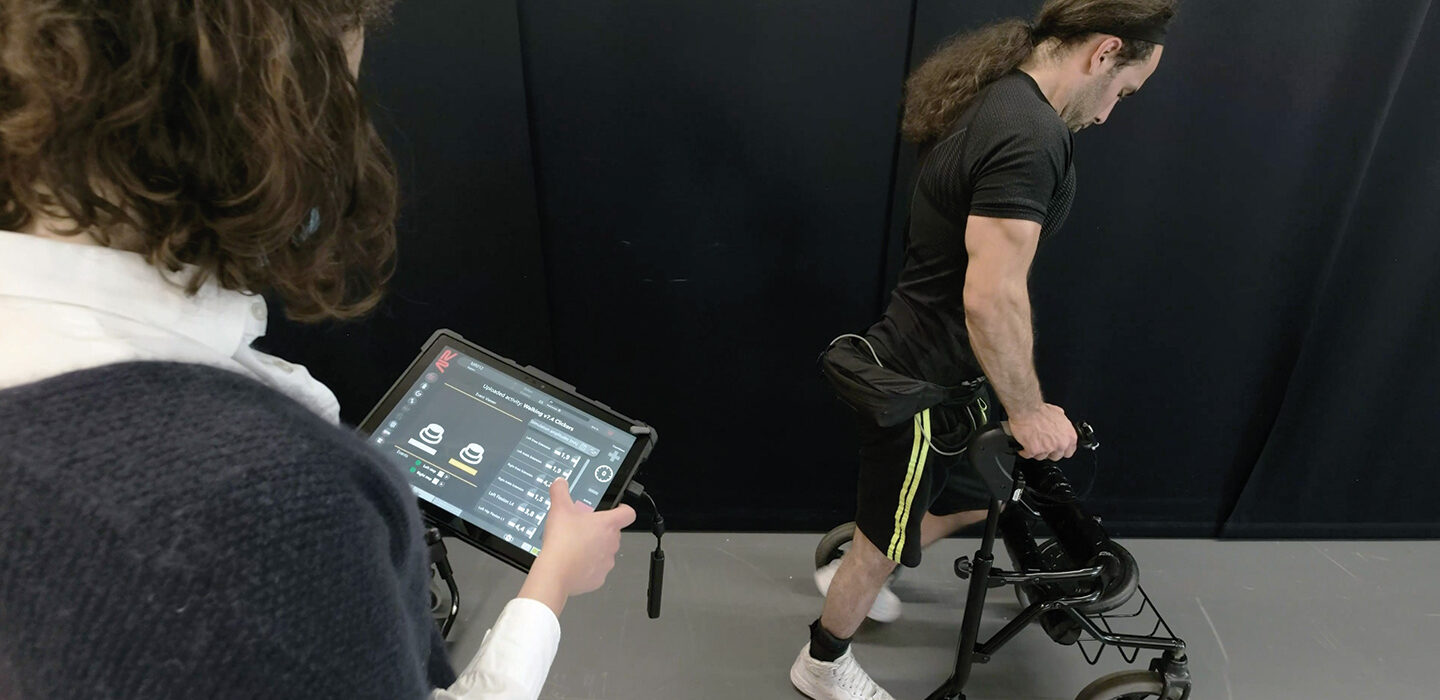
463,466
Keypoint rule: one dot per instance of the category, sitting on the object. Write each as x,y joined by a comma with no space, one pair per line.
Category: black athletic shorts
903,474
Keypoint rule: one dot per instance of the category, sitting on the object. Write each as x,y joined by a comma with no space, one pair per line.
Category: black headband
1153,32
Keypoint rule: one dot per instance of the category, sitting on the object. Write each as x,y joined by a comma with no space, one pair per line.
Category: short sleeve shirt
1009,156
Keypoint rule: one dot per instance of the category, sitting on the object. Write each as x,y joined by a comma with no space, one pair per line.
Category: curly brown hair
225,134
938,92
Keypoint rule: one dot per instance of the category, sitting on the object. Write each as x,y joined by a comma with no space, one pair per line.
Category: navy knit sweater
177,531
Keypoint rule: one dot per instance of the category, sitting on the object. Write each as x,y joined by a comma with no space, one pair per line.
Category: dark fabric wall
713,180
1242,301
1352,452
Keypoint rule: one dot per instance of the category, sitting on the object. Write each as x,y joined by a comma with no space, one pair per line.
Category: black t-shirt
1007,157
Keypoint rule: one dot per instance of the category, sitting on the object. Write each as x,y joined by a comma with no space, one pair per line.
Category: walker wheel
833,545
1125,685
1121,577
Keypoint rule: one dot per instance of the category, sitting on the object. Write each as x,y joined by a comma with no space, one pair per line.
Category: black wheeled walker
1081,586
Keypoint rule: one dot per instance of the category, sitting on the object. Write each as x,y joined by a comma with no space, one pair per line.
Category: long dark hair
942,87
228,135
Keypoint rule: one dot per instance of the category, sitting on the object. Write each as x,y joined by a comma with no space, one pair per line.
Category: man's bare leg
862,572
825,668
934,528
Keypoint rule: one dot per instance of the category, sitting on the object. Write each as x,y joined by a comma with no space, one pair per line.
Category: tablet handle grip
657,584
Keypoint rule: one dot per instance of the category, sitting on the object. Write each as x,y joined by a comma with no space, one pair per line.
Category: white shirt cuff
514,659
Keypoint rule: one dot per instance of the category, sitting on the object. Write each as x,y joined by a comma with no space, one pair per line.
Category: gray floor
1264,621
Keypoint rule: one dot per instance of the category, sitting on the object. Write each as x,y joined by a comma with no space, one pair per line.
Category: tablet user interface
485,446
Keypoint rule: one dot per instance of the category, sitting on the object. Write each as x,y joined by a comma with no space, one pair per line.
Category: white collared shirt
67,306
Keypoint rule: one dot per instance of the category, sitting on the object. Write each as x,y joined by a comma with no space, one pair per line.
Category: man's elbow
981,307
984,296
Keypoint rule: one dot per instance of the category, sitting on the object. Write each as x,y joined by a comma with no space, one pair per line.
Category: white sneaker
841,679
886,607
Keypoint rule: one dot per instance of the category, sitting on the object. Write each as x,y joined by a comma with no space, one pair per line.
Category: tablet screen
485,446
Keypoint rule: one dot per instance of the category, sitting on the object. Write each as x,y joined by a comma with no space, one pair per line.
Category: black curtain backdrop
1352,450
677,205
714,178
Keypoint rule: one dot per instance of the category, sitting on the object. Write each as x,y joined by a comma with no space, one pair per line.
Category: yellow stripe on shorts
919,450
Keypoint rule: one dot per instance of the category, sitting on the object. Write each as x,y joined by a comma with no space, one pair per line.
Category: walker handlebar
1085,433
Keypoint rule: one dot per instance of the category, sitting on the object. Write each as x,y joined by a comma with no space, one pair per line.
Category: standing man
994,112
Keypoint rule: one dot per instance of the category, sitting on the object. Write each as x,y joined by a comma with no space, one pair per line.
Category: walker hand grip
1083,431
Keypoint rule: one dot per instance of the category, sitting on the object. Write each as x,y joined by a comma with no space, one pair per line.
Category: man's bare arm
997,315
997,307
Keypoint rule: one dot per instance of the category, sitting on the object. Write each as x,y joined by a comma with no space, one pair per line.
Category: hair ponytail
938,92
940,89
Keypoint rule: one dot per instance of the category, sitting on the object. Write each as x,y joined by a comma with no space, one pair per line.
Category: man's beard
1084,106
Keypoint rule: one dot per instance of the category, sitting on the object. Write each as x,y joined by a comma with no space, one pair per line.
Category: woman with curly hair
180,514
